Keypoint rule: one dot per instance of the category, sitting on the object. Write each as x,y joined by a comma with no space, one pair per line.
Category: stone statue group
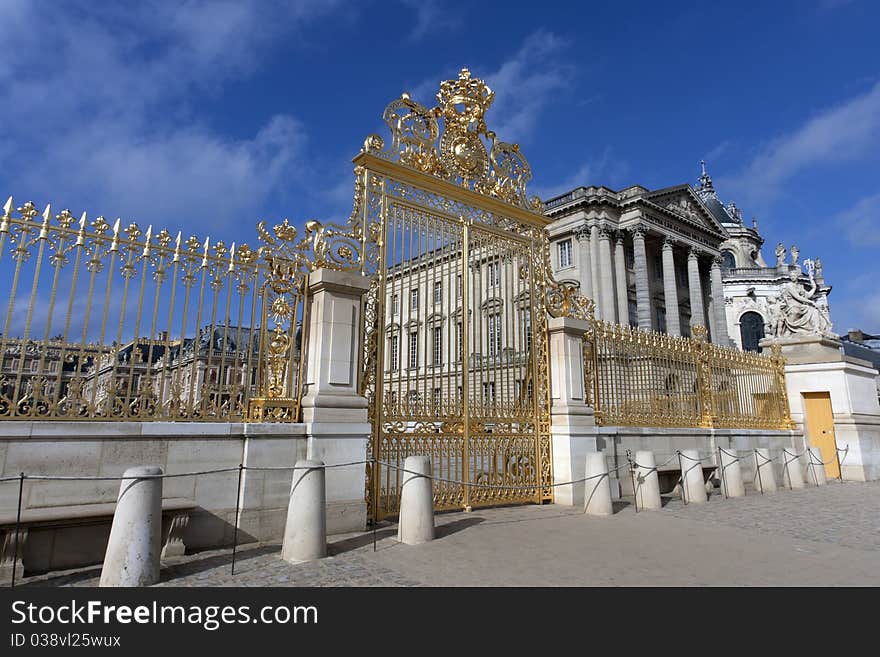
794,312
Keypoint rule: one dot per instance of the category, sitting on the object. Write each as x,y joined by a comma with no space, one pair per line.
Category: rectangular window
438,345
564,254
458,340
35,365
658,268
494,334
438,292
414,299
394,355
633,313
395,305
492,274
489,391
413,349
458,286
438,397
629,257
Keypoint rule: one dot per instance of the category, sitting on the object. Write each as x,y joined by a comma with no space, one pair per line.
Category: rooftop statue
780,255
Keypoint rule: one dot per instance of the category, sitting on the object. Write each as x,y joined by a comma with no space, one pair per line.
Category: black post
632,478
723,477
758,469
375,484
237,507
681,470
837,456
17,527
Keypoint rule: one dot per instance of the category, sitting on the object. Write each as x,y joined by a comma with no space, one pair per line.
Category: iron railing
643,378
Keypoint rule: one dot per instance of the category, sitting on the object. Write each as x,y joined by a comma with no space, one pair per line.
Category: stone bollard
133,551
765,480
731,474
416,522
597,491
647,493
305,534
693,486
792,469
816,466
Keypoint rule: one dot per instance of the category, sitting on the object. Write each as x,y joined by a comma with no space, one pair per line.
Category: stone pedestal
572,425
334,414
305,534
817,364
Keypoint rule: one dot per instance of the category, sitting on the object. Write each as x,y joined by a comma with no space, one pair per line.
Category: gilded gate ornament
500,171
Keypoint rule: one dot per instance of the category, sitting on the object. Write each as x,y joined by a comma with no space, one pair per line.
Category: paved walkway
811,537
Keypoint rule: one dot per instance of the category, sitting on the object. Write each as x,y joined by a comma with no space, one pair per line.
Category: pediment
683,203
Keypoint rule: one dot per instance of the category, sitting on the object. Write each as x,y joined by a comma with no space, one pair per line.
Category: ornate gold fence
641,378
105,322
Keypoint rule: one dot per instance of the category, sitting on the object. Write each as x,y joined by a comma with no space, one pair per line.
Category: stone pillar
670,290
606,276
597,489
643,289
791,469
693,486
594,268
416,521
585,264
620,279
765,478
731,474
305,534
135,544
695,288
572,425
647,493
720,335
334,414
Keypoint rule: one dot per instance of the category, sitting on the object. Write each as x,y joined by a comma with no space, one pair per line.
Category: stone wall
107,449
614,441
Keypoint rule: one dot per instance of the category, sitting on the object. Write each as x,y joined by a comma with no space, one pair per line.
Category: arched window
727,260
751,330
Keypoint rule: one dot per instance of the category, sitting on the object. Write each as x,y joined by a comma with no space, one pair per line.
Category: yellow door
820,428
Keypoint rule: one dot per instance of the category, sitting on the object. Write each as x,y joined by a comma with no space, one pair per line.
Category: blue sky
209,116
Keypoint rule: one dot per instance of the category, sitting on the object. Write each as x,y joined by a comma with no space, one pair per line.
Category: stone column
606,276
643,289
670,290
620,279
720,336
585,265
334,414
572,425
695,288
594,267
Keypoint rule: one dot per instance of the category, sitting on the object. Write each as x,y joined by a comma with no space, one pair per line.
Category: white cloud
526,83
843,133
101,111
431,17
861,222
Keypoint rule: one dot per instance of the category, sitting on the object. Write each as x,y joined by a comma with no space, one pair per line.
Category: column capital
582,232
619,236
669,242
694,253
606,231
717,260
638,231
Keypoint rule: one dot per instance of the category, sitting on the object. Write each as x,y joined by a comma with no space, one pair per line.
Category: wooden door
820,428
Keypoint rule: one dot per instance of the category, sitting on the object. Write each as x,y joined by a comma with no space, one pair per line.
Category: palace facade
669,259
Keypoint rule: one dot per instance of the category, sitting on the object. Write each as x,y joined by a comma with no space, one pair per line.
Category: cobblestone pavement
812,537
